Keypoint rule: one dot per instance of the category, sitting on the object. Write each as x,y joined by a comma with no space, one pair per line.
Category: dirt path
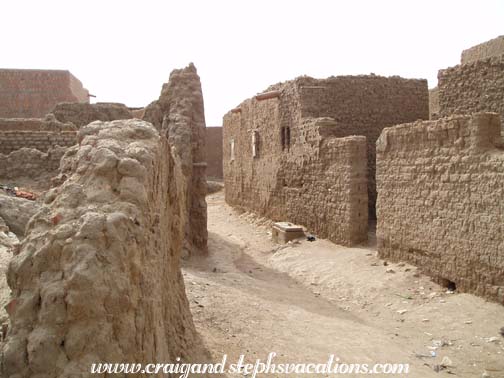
309,300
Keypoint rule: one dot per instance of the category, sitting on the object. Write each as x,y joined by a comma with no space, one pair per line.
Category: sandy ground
308,300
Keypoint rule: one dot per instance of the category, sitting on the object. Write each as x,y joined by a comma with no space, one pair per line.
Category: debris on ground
17,192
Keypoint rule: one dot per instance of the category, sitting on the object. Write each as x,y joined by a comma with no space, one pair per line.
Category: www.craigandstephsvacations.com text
333,366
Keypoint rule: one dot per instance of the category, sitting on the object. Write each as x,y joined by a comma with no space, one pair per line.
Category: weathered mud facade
283,159
41,140
32,148
34,93
476,85
81,114
179,114
213,152
97,277
485,50
440,185
472,87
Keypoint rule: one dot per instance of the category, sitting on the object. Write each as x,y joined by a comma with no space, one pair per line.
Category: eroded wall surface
41,140
31,163
473,87
213,152
97,278
32,147
179,114
488,49
440,189
34,93
81,114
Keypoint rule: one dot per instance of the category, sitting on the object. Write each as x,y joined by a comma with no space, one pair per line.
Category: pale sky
123,51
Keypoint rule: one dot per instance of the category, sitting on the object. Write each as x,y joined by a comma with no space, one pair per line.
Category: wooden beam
267,95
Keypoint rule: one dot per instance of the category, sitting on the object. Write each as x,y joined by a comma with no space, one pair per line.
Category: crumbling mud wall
97,277
473,87
80,114
31,163
33,93
213,152
489,49
440,185
48,123
42,134
44,141
179,114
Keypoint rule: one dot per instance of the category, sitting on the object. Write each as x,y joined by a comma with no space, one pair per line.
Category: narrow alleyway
306,301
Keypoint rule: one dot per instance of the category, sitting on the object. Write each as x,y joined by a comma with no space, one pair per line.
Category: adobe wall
34,93
473,87
31,163
179,114
41,140
492,48
48,123
81,114
97,277
324,184
213,152
440,185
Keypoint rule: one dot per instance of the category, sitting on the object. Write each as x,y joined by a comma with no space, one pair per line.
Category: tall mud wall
440,190
473,87
97,278
488,49
179,114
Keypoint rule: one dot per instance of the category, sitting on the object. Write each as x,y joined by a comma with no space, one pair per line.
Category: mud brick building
304,150
440,185
34,93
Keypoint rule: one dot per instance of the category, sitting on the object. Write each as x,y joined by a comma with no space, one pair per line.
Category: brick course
41,140
473,87
440,185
